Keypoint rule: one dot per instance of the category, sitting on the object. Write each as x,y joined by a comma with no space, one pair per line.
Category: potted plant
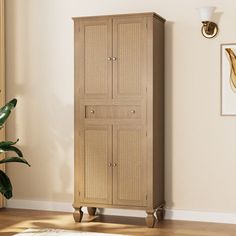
8,146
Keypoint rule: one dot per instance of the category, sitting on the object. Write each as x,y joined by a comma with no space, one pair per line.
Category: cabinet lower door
96,153
129,165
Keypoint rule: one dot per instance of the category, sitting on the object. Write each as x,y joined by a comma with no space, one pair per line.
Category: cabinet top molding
121,15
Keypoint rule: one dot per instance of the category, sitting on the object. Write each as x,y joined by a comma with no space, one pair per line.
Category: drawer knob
92,111
110,164
109,58
114,58
115,165
132,111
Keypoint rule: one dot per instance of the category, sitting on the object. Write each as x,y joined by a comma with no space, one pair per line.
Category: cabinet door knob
132,111
115,165
110,164
114,58
109,58
92,111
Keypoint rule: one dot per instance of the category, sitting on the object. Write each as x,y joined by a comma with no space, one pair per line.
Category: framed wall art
228,79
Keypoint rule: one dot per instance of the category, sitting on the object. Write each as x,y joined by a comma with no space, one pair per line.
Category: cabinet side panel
76,113
158,112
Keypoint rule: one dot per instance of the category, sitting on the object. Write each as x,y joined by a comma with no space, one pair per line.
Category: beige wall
200,147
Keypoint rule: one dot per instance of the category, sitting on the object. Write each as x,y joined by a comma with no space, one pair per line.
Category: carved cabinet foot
150,219
78,214
160,213
91,211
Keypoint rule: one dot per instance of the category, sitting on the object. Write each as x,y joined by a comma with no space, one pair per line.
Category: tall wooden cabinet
119,113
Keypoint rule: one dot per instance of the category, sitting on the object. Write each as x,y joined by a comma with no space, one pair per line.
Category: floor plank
14,220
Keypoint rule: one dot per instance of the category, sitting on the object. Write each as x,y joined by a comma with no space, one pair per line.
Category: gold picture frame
228,79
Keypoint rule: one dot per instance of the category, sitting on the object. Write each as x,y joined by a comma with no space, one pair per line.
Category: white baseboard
40,205
214,217
171,214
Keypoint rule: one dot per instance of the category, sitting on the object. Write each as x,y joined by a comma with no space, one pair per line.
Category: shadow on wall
169,116
53,150
49,149
43,119
63,144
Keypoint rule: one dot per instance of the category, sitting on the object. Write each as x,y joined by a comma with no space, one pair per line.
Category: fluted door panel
95,69
129,57
97,156
129,170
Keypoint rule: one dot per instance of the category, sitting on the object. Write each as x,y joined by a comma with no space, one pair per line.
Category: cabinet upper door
129,57
129,165
94,49
95,169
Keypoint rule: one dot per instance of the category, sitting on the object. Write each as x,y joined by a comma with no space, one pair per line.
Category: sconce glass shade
209,28
206,13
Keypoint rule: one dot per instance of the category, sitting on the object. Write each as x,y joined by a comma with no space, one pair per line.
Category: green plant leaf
14,159
5,185
5,111
7,143
11,148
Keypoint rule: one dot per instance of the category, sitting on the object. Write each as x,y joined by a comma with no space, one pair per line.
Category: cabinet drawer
112,112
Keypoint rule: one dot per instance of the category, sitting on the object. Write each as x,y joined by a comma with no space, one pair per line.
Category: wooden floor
14,221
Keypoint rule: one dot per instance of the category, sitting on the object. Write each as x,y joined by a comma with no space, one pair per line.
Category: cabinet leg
150,219
160,213
78,214
91,211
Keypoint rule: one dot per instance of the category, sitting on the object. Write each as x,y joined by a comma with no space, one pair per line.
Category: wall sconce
209,28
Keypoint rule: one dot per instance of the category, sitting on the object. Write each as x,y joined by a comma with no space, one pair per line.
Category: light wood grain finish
2,79
95,68
124,96
15,221
101,205
131,15
97,156
150,219
158,112
78,214
129,165
155,113
113,112
129,50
